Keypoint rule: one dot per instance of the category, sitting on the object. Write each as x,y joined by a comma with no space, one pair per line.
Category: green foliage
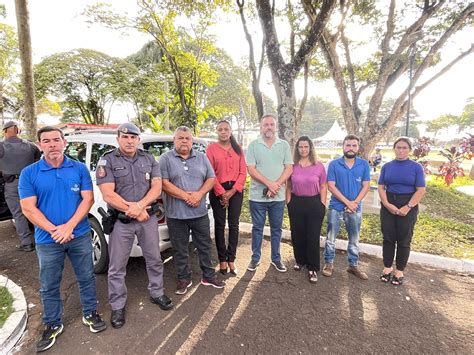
85,80
318,117
444,228
6,305
442,122
8,52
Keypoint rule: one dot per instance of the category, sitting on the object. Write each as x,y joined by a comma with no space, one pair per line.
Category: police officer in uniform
130,181
16,154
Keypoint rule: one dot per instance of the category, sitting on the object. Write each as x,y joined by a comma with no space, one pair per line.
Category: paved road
265,311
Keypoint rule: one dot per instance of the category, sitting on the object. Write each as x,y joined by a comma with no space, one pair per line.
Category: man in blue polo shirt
348,180
56,195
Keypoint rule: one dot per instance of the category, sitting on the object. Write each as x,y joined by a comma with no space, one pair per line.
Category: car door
5,213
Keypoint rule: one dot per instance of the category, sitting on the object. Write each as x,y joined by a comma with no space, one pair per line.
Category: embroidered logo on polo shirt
75,188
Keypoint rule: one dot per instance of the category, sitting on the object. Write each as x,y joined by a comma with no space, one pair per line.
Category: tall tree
24,40
85,80
409,37
184,48
8,59
284,73
255,69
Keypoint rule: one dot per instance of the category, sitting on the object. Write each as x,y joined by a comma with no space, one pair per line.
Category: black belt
122,217
11,178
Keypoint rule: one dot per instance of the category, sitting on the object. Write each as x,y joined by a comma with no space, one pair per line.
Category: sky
56,26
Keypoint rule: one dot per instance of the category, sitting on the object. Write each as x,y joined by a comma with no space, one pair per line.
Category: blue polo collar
44,166
342,161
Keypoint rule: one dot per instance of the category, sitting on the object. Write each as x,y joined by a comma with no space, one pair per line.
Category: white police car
87,147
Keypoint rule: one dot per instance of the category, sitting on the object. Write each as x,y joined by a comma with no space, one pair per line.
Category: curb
439,262
15,324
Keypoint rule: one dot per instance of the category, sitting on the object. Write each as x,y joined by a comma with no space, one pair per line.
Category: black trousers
397,231
306,218
179,230
233,214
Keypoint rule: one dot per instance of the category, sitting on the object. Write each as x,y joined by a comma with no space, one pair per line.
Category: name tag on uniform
119,168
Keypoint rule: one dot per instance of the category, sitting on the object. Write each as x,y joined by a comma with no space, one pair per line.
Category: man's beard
350,155
269,134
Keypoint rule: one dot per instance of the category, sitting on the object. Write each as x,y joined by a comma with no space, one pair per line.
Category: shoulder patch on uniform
102,162
101,172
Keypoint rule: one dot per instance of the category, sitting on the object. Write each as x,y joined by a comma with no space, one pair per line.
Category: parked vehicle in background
5,213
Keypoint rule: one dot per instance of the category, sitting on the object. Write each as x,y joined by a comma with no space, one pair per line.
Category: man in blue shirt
56,196
348,180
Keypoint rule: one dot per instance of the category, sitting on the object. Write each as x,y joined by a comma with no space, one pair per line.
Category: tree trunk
285,90
24,41
2,118
284,74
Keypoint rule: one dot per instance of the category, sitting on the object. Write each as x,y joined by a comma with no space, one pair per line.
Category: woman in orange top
228,161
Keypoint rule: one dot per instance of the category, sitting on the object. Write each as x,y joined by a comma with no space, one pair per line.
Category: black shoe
49,337
163,302
27,247
94,322
117,318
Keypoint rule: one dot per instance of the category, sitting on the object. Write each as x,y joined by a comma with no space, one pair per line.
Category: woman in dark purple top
306,195
401,187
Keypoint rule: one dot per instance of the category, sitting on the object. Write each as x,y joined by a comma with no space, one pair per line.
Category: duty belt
122,217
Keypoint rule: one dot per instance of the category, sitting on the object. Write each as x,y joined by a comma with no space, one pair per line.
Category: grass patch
6,305
446,202
444,228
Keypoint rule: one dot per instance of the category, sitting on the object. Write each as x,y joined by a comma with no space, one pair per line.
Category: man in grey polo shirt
269,164
187,177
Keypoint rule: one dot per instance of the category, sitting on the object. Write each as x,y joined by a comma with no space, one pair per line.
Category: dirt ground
262,312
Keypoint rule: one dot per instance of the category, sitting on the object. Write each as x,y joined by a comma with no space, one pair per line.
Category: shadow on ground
265,311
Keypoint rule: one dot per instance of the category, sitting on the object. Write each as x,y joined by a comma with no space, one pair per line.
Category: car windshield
159,148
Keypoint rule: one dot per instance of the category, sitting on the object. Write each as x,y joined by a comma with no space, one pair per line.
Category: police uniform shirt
17,153
132,175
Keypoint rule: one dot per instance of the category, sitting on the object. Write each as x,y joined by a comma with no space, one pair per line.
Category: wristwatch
410,206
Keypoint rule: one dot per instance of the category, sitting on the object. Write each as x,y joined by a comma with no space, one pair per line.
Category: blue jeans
258,211
51,262
352,222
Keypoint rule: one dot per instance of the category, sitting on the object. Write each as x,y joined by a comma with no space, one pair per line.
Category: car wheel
100,252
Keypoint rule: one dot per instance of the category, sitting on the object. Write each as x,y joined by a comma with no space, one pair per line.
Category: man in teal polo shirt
348,180
56,196
269,164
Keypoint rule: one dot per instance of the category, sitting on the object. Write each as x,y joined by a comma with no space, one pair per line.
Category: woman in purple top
306,195
401,187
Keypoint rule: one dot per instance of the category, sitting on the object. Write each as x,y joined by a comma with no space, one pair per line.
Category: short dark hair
48,129
402,139
351,137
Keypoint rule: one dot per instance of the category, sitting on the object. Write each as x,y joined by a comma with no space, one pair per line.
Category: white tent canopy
335,133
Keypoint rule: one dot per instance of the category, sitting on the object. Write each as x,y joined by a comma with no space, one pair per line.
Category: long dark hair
313,158
233,141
